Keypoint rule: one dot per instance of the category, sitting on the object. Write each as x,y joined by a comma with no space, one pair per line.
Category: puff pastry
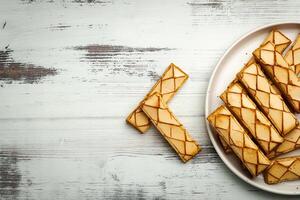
267,98
236,137
290,143
247,113
170,127
169,83
280,73
293,56
283,169
281,42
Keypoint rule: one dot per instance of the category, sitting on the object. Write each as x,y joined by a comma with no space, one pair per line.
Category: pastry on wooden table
290,143
280,73
247,113
169,83
170,127
267,98
227,127
283,169
292,57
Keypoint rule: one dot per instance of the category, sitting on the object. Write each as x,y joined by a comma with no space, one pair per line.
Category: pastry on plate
279,71
268,98
227,127
283,169
258,125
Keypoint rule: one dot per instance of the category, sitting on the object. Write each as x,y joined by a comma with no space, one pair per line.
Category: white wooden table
72,70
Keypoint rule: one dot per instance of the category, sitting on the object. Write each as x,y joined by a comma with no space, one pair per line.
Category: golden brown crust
247,113
291,142
169,83
280,73
293,56
281,42
170,127
224,145
283,169
236,137
267,98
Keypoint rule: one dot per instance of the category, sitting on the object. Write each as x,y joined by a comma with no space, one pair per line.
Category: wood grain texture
63,135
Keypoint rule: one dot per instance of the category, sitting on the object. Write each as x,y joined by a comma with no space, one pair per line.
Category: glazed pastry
169,83
247,113
283,169
170,127
267,98
292,57
227,127
290,143
280,73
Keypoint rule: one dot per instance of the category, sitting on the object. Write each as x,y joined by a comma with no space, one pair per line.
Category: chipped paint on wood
121,59
65,137
16,71
106,49
59,27
10,176
212,4
3,26
92,1
71,1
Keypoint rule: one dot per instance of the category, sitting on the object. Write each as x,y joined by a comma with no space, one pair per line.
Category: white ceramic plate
225,71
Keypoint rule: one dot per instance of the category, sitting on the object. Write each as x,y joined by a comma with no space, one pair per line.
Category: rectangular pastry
277,38
170,127
281,42
292,57
240,143
278,70
268,98
290,143
169,83
247,113
224,145
283,169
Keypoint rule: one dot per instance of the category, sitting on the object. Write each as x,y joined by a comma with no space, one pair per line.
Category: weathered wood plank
63,134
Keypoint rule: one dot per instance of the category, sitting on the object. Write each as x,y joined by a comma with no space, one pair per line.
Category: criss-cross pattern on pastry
236,137
170,127
246,112
281,42
169,83
291,142
283,169
268,98
280,72
277,38
293,56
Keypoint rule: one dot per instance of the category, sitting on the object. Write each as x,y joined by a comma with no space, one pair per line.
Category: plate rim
210,134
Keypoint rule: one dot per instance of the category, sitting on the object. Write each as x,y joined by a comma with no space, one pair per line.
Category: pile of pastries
257,121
